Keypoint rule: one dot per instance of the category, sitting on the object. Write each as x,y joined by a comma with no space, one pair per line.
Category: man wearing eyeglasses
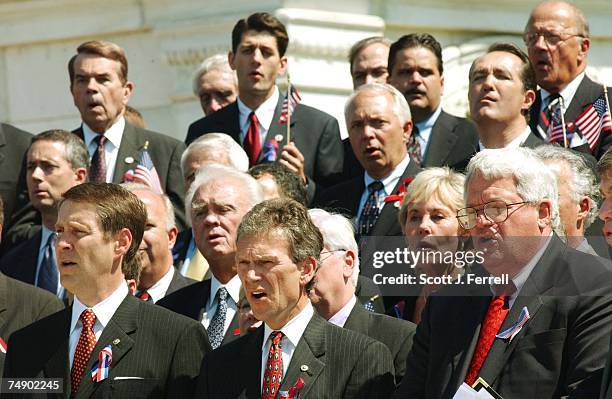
557,40
543,335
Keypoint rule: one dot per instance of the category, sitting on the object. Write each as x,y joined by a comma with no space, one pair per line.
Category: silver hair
583,181
534,180
217,62
338,234
401,109
212,172
216,144
170,218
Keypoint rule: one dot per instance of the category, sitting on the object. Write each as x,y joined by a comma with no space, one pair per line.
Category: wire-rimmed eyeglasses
495,211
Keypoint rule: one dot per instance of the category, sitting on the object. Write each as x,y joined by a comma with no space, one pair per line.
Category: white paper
465,392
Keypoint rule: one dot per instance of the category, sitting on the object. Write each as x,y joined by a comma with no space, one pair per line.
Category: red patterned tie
274,367
252,141
87,342
97,171
144,295
490,327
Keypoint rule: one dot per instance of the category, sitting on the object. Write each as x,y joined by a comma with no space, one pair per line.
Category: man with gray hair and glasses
539,325
557,40
578,194
215,84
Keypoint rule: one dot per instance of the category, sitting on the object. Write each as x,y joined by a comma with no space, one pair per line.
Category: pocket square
128,378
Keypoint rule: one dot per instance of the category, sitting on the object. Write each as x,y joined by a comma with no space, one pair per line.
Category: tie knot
375,186
553,100
144,295
100,140
88,318
253,117
51,239
505,289
276,337
222,292
415,131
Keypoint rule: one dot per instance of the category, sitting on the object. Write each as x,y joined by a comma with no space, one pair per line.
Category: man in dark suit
216,202
378,131
438,138
115,146
158,277
56,161
295,350
559,58
155,353
501,92
315,152
333,293
541,328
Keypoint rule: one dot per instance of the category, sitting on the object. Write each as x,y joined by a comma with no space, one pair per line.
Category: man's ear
585,207
172,234
349,264
545,214
230,59
407,130
308,271
123,241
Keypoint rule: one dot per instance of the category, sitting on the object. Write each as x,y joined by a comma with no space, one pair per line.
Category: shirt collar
516,143
340,318
158,290
428,123
390,181
113,134
294,329
567,93
264,113
232,287
104,310
45,233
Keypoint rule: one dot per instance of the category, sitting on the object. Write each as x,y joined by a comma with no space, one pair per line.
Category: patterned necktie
546,114
217,324
97,171
48,276
496,313
145,296
414,145
87,342
369,213
252,140
274,367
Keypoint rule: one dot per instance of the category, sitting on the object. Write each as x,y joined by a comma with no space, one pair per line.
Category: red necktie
144,295
490,327
274,367
97,171
87,342
252,141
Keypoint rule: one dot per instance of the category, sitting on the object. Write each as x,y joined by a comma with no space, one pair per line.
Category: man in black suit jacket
155,353
333,293
416,70
560,61
315,153
158,277
278,247
56,161
102,105
561,296
216,202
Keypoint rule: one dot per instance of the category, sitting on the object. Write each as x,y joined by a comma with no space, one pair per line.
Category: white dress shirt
104,311
233,291
159,289
111,146
264,113
343,314
516,143
292,333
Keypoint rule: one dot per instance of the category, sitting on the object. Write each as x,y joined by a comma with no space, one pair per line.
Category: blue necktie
369,213
48,276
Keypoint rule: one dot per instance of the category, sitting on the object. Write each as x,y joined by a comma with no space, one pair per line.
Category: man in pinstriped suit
278,248
155,353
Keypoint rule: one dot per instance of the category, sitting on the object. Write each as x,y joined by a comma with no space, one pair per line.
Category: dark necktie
86,344
414,145
217,324
252,140
273,373
496,313
369,213
97,171
48,275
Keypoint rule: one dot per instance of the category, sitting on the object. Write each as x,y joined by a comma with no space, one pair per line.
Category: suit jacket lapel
310,352
117,334
441,141
230,333
231,121
583,98
131,144
358,319
58,364
276,129
3,303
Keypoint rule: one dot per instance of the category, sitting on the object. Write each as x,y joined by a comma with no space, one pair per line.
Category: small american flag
594,120
290,101
99,371
512,331
555,128
145,171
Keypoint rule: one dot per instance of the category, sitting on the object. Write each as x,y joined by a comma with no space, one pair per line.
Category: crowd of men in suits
236,264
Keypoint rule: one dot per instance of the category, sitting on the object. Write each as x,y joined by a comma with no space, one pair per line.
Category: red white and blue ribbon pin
2,346
99,371
511,332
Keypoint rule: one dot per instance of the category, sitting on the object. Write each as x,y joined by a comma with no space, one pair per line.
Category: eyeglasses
494,211
329,254
550,38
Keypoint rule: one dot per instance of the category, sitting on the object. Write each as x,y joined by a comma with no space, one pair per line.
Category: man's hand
293,159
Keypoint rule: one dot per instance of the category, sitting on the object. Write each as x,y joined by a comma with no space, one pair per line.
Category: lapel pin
279,137
116,341
129,160
304,368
